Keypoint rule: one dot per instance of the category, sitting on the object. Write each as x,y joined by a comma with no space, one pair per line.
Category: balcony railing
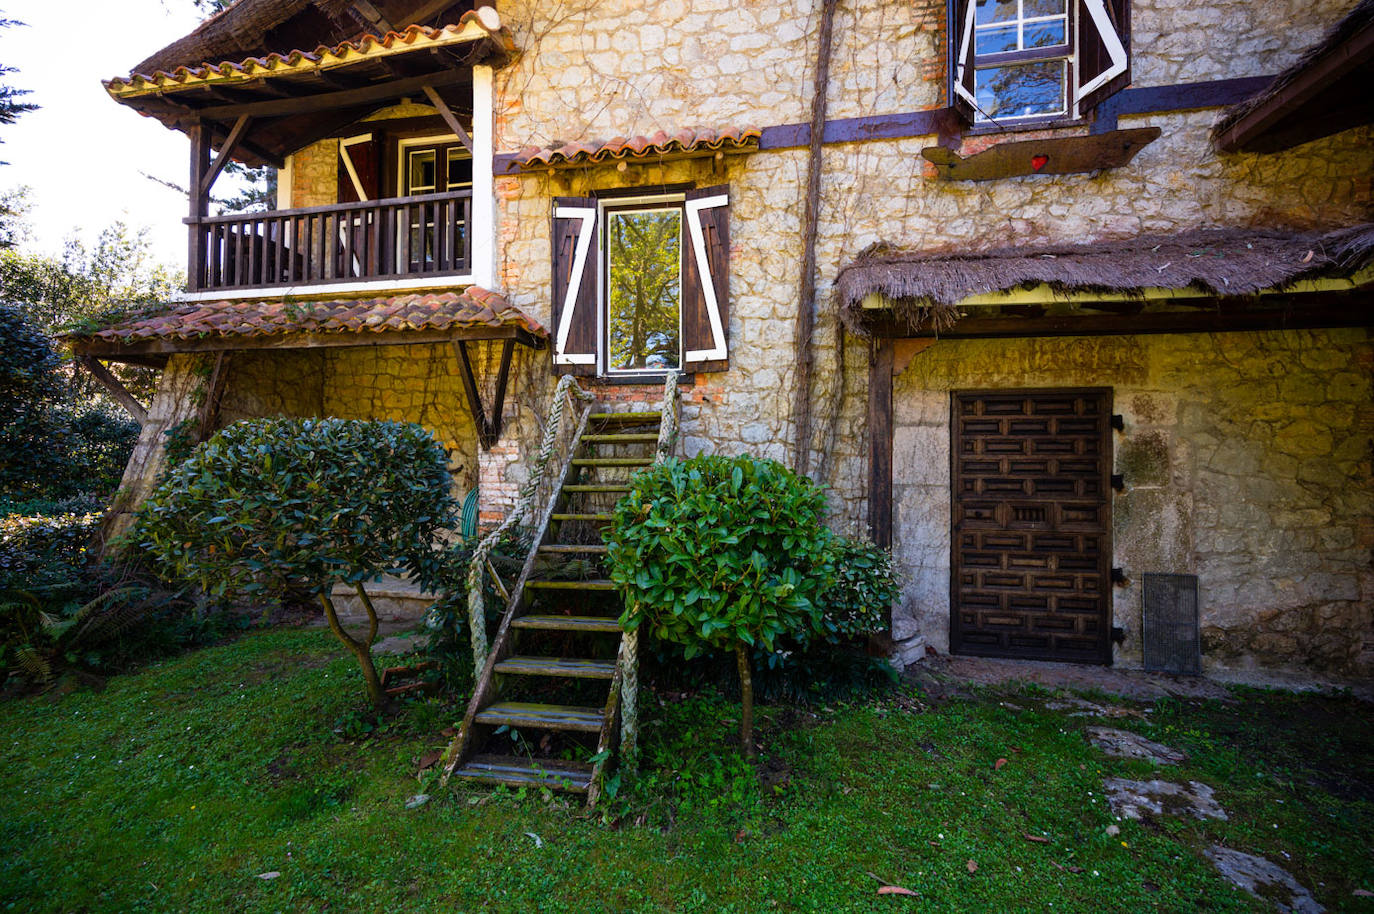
400,238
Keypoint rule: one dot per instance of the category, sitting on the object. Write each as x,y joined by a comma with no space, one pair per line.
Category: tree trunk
360,649
746,687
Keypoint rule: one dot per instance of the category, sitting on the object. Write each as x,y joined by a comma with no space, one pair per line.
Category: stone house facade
1098,372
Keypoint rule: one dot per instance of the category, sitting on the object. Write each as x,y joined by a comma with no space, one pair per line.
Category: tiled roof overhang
496,45
473,314
685,144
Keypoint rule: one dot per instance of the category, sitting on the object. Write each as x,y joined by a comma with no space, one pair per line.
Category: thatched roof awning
1325,92
1219,262
473,314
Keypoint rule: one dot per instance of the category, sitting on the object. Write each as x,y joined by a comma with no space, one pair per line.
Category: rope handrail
564,397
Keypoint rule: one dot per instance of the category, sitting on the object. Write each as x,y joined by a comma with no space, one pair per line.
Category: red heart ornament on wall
1039,162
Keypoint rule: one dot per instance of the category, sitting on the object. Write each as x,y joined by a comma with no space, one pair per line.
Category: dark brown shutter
706,292
363,157
959,30
1101,25
575,256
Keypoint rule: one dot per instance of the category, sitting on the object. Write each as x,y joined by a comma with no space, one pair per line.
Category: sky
82,153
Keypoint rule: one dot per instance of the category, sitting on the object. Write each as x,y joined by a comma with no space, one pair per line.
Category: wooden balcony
404,238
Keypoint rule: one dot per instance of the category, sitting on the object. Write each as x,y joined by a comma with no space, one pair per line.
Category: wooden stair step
613,438
545,717
586,584
599,518
606,487
509,769
559,623
626,418
557,666
572,549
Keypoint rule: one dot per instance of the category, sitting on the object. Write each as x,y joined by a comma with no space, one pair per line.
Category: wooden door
1031,567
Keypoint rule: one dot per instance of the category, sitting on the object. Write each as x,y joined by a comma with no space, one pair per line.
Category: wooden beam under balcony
347,98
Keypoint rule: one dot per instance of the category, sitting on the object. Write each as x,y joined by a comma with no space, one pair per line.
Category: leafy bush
725,553
50,445
863,589
44,550
33,436
271,505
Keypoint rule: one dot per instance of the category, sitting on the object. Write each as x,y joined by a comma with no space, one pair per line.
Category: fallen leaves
1067,869
971,867
429,759
997,765
896,890
272,875
1038,839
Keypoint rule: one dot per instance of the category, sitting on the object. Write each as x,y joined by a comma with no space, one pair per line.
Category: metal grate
1170,624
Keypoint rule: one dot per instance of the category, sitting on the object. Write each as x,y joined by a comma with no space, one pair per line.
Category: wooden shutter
359,167
706,280
1104,40
574,284
961,45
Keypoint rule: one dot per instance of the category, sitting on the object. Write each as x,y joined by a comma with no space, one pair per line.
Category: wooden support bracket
214,393
116,388
488,426
226,152
449,117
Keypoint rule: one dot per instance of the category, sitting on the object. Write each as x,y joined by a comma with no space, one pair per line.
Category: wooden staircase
547,707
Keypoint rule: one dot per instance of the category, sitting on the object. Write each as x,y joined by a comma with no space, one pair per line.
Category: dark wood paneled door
1031,573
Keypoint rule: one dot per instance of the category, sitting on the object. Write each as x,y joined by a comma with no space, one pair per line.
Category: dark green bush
41,551
722,553
33,435
269,506
51,446
860,596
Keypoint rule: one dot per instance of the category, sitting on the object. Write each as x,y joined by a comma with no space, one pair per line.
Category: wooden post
483,228
880,441
200,205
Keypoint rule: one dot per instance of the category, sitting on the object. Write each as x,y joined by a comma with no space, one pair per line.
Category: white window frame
1069,59
676,202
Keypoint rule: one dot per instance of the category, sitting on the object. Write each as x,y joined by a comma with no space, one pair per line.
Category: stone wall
1247,462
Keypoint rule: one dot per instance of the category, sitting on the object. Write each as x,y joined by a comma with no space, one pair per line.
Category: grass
175,787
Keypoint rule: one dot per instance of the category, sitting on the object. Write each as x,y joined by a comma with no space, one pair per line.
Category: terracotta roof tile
684,142
474,307
469,27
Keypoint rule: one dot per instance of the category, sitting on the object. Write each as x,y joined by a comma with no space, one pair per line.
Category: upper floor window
1036,60
641,284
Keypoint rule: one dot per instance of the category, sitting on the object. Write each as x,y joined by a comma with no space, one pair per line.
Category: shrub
861,594
271,505
33,436
41,551
724,553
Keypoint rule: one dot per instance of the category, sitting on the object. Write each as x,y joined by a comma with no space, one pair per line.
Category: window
640,284
1017,60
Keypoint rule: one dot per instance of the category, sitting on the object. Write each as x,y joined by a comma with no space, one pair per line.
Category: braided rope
629,659
477,608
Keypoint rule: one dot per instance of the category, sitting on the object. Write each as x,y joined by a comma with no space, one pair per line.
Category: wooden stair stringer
461,747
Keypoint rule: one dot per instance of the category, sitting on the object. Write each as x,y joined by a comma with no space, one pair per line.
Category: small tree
722,553
270,505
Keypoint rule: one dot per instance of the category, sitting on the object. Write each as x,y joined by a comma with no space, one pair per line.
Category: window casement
1036,60
641,284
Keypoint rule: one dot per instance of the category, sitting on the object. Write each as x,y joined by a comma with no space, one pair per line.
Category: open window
641,284
1036,60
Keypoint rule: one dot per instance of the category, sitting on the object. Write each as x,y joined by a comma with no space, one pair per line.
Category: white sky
82,152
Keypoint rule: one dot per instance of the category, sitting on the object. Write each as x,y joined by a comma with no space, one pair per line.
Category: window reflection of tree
645,289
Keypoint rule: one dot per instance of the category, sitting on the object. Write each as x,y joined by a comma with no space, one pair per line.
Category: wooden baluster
404,255
255,242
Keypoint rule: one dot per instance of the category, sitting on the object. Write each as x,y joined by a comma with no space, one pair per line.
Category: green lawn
175,787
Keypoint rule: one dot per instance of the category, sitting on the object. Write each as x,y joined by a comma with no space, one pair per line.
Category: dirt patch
951,671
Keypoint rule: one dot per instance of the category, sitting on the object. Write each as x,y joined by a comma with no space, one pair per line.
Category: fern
37,666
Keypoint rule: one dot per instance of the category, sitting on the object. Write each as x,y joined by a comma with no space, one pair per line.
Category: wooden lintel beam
116,389
146,348
449,117
344,98
1339,311
226,152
